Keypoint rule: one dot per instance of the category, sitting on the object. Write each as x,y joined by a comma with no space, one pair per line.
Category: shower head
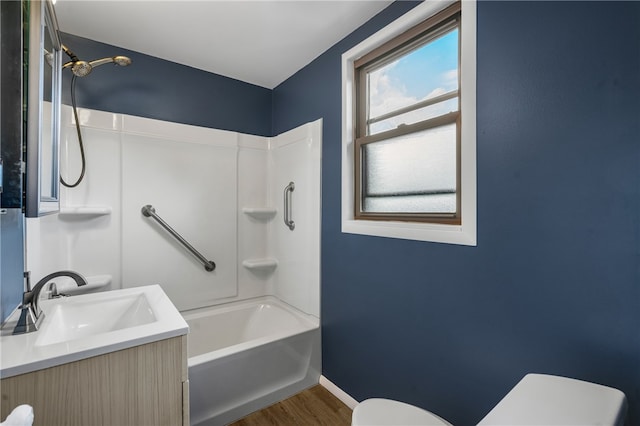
81,68
84,68
122,61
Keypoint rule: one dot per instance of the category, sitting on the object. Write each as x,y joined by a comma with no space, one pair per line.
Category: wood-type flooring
313,407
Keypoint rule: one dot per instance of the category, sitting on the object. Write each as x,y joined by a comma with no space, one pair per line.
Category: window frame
457,231
409,41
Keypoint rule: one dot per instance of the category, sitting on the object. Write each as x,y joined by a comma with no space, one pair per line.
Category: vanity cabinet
142,385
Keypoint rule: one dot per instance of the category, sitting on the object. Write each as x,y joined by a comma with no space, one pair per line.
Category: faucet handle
53,292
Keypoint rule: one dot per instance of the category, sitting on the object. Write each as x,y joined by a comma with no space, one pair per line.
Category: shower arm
98,62
149,211
118,60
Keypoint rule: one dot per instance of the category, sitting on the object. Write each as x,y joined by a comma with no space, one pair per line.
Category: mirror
44,77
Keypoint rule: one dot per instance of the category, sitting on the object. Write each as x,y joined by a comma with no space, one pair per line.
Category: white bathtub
247,355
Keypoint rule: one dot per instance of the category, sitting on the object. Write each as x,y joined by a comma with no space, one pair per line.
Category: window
407,125
409,128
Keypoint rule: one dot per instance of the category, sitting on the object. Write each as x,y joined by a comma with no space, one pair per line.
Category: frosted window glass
412,173
436,203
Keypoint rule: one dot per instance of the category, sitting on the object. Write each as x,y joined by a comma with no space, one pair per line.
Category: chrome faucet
31,316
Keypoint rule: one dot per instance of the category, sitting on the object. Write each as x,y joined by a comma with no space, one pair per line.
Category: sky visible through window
424,73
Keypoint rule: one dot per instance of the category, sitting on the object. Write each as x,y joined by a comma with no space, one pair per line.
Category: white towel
22,415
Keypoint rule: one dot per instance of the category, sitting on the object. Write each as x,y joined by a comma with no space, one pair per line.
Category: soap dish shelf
262,264
261,213
86,211
68,287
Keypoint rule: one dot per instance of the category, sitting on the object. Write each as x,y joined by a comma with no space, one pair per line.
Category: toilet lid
381,412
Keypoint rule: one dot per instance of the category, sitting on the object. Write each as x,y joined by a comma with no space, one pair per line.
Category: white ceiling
261,42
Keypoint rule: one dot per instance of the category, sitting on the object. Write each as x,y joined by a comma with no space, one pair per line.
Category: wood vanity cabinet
142,385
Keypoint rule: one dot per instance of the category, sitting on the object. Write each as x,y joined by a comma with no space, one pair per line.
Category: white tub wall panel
295,156
252,170
253,235
90,118
101,140
46,248
192,186
93,242
85,243
89,245
314,201
133,125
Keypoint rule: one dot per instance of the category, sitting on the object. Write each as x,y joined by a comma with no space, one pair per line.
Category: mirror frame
42,18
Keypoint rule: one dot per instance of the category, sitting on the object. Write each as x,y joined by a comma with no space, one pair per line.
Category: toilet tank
542,399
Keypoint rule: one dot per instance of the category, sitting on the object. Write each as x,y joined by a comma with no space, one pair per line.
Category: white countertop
25,353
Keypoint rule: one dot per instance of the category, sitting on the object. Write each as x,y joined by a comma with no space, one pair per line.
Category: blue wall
12,263
554,283
154,88
11,149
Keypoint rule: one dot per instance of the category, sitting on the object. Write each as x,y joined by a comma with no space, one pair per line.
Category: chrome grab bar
149,211
287,205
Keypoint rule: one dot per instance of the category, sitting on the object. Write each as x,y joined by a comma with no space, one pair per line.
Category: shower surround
222,191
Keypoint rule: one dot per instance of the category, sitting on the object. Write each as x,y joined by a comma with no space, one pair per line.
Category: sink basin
88,325
78,319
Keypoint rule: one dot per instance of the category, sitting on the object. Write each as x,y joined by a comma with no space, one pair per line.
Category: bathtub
244,356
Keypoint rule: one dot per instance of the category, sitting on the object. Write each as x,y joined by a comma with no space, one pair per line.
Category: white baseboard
338,393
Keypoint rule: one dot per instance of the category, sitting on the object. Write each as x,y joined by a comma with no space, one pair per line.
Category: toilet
538,399
386,412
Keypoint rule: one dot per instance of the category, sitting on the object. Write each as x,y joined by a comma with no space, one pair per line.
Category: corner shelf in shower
86,211
262,213
262,264
94,282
